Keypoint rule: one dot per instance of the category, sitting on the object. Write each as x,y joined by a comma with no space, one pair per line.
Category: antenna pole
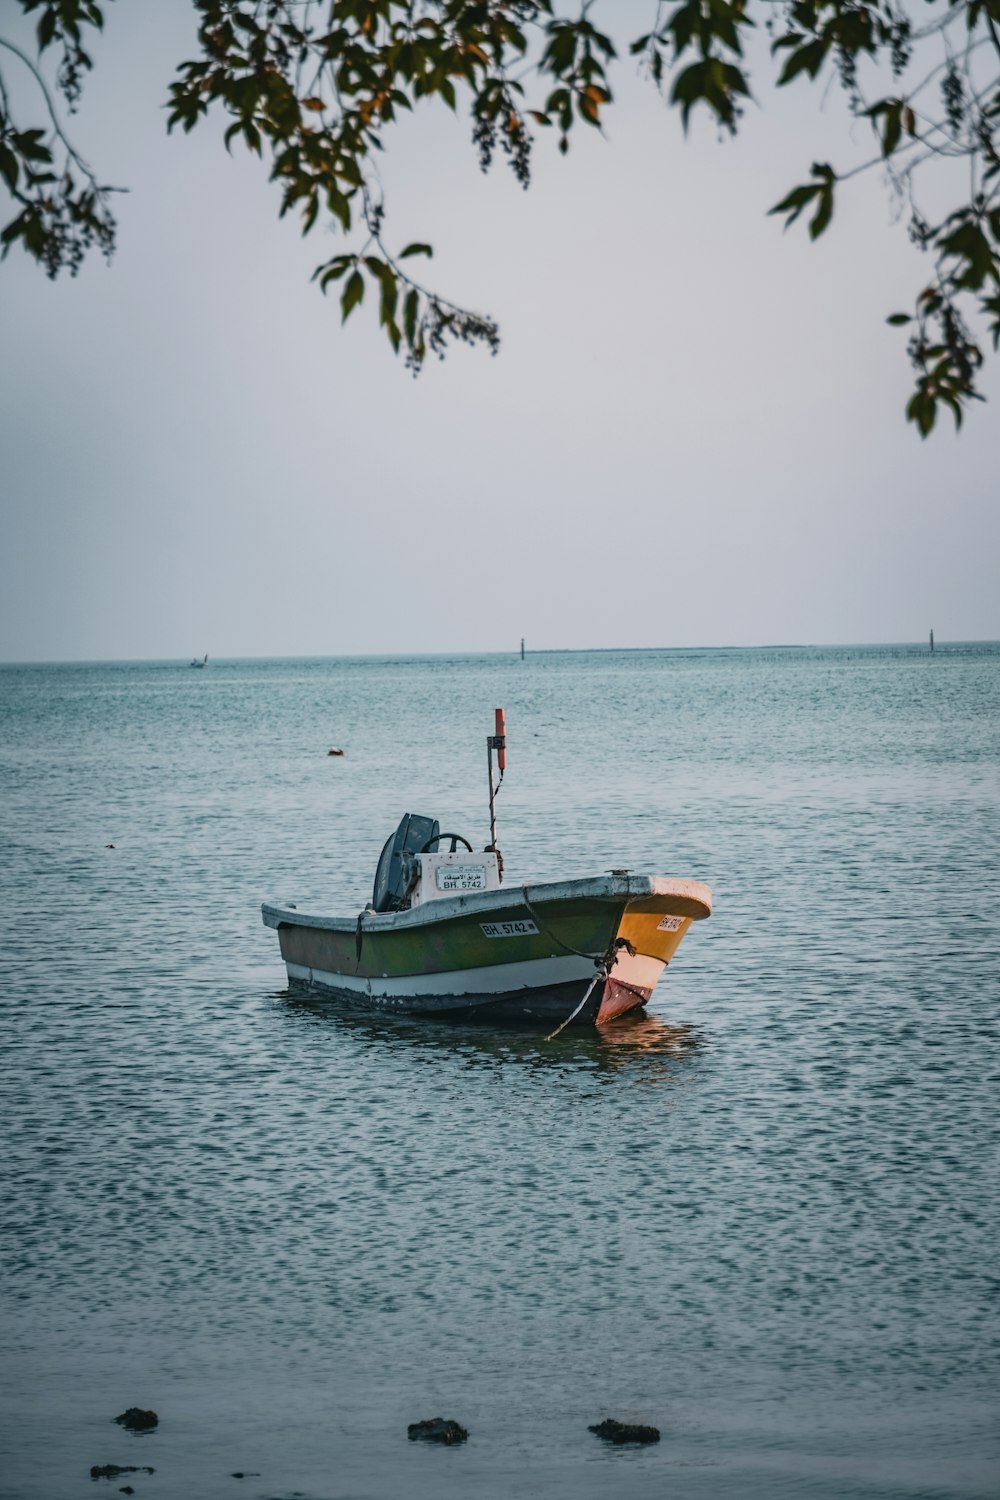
498,742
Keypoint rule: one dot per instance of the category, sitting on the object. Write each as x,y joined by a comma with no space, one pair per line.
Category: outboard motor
396,868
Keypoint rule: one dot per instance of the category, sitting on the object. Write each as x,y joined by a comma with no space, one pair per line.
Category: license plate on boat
508,929
669,924
461,877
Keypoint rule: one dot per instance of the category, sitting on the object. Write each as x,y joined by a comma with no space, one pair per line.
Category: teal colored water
764,1218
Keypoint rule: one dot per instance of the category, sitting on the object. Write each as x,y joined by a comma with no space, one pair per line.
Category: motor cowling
397,867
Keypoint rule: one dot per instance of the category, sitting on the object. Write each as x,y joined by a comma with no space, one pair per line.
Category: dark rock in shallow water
126,1489
111,1471
250,1474
436,1430
137,1420
625,1432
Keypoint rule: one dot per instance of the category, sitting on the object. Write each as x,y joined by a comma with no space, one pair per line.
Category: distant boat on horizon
202,663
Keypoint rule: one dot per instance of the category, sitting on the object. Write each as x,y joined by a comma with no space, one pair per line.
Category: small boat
202,662
443,935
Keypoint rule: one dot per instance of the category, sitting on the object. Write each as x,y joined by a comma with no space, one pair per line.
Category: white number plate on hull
461,877
508,929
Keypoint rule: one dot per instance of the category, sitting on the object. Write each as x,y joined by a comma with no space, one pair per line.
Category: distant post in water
932,643
522,648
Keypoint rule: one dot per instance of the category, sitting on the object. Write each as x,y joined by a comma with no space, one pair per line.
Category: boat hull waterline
523,953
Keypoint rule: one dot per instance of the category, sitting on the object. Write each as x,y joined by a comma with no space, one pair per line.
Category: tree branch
71,150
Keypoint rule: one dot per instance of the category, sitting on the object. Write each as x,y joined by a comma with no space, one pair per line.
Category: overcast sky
693,433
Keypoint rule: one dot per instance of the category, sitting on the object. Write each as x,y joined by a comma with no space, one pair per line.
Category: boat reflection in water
639,1034
638,1040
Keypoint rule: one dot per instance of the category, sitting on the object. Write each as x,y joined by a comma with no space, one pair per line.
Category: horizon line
515,652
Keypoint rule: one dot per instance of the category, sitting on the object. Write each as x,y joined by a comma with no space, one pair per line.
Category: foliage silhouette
312,84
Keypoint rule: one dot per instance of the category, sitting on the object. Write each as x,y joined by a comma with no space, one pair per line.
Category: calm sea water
764,1218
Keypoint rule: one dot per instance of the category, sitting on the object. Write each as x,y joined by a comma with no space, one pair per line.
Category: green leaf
794,203
922,410
31,145
898,320
46,29
416,249
689,87
410,315
808,59
13,231
824,212
821,192
893,111
712,82
339,205
969,243
8,165
354,293
378,268
390,296
893,128
684,24
956,410
333,270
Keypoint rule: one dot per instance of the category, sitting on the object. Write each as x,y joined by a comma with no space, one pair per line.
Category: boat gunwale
693,893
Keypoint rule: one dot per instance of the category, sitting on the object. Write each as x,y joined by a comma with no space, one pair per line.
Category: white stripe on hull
491,979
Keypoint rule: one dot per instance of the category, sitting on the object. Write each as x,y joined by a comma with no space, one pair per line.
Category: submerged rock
248,1474
137,1420
111,1471
436,1430
625,1432
126,1489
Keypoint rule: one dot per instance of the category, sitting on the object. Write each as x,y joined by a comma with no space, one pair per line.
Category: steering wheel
456,839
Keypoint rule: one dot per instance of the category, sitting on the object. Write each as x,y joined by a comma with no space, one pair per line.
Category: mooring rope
596,958
603,962
604,967
590,990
